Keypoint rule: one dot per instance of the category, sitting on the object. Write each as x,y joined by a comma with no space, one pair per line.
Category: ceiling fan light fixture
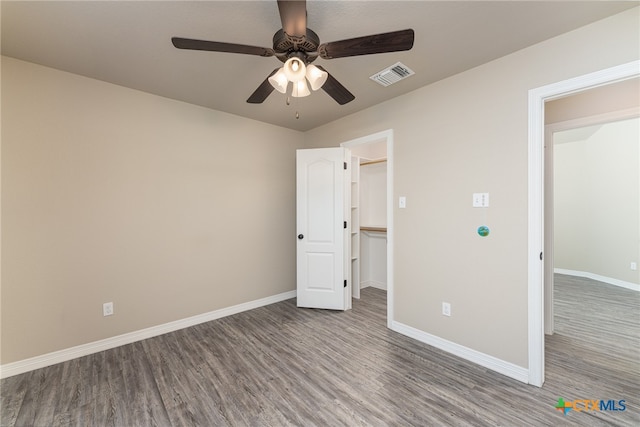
300,89
294,69
298,46
316,77
279,81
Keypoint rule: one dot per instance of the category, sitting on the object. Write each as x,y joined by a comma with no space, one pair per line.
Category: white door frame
386,135
537,98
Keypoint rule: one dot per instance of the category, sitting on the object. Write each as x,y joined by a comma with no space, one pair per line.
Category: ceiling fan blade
336,90
263,91
293,15
193,44
378,43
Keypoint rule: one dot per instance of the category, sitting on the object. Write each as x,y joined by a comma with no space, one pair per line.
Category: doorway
382,143
536,226
591,178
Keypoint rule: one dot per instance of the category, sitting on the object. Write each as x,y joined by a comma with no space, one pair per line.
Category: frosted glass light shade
294,69
300,89
316,77
279,81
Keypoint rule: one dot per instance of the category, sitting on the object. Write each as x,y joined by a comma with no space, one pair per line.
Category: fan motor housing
296,46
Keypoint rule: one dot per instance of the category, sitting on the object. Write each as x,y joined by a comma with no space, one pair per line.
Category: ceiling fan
298,46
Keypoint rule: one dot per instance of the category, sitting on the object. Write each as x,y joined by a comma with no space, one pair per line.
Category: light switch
402,202
480,200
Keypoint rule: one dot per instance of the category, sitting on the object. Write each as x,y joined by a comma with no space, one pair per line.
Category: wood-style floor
280,365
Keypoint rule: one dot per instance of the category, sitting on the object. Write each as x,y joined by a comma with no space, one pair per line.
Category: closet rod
371,162
379,229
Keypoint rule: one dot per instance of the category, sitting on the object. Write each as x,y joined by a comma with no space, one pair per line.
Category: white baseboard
505,368
37,362
609,280
373,284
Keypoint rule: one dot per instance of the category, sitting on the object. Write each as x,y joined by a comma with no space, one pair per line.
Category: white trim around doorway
385,135
537,99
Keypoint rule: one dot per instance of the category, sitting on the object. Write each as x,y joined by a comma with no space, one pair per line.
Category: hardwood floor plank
39,401
11,400
284,366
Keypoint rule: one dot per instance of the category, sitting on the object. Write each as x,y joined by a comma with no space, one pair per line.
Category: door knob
300,236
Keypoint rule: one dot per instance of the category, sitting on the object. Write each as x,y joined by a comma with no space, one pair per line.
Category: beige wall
109,194
624,95
597,202
468,134
373,195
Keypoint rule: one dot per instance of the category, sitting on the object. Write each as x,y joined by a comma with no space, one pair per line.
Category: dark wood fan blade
263,91
378,43
293,15
336,90
193,44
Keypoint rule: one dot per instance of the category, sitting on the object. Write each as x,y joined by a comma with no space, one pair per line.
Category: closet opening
372,214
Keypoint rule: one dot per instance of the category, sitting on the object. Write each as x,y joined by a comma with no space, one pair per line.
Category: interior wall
373,213
166,209
618,96
373,250
459,136
373,195
597,201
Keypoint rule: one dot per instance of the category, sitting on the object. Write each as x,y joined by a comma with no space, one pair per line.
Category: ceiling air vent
392,74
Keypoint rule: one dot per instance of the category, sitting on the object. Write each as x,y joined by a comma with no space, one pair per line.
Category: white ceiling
129,43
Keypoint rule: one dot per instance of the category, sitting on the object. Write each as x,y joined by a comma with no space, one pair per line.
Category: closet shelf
372,162
380,229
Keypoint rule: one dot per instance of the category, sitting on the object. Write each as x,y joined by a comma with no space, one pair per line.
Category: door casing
536,174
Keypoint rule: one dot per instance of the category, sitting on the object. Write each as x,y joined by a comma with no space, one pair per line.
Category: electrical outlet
446,309
634,266
107,309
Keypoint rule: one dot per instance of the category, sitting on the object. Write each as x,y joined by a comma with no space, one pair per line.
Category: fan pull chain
288,101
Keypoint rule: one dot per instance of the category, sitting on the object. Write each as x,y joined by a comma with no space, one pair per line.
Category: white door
323,206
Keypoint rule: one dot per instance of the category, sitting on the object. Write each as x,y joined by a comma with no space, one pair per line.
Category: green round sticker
483,231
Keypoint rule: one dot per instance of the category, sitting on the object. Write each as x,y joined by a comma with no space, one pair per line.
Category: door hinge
540,256
345,224
345,165
345,283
